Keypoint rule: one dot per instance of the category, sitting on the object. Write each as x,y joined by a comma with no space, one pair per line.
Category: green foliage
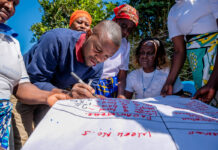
153,15
56,13
153,22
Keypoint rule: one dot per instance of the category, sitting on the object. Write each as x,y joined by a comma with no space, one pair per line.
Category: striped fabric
108,87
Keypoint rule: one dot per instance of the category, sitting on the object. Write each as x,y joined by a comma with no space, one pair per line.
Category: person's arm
28,93
207,92
177,63
121,83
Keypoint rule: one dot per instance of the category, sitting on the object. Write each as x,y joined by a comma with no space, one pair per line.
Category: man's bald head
110,29
102,43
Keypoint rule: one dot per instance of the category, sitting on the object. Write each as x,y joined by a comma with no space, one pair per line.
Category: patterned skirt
5,122
201,52
108,87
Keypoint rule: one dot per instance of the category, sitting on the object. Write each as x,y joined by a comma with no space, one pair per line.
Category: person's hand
52,99
121,96
81,91
167,90
101,96
205,94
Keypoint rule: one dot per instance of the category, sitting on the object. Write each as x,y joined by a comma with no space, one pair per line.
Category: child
115,68
149,79
80,20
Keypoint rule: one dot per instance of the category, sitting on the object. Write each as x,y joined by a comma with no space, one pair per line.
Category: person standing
193,29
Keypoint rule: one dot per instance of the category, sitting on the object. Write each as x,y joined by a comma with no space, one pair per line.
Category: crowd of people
100,56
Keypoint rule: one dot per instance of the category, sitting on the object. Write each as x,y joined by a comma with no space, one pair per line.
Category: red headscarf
80,13
127,12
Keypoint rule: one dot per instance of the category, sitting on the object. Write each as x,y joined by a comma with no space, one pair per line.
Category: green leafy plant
56,13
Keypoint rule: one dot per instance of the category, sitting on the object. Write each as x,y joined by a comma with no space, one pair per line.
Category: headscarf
80,13
155,42
127,12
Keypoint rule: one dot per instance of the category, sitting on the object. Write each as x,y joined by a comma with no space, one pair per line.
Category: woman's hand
205,94
167,89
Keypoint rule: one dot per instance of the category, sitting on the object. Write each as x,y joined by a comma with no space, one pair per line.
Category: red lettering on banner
96,114
86,132
144,134
99,133
107,134
133,134
120,134
127,134
128,115
203,133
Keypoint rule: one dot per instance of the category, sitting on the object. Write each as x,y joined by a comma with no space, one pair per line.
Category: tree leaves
56,13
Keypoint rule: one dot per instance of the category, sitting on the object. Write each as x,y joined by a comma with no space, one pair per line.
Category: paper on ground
154,123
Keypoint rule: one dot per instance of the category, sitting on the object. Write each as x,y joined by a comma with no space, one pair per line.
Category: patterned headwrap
155,42
80,13
127,12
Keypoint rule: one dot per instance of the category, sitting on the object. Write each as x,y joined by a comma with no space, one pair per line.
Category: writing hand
81,91
205,94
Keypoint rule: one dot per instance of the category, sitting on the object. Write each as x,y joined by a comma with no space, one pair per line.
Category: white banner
168,123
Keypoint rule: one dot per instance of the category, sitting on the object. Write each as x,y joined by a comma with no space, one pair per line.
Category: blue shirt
50,61
5,29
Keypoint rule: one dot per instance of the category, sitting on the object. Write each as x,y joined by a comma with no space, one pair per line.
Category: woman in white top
149,79
194,22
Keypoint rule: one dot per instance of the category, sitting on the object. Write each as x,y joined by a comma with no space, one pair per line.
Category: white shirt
12,68
188,17
153,82
119,61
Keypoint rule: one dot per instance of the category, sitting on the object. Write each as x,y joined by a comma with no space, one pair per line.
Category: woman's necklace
145,88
